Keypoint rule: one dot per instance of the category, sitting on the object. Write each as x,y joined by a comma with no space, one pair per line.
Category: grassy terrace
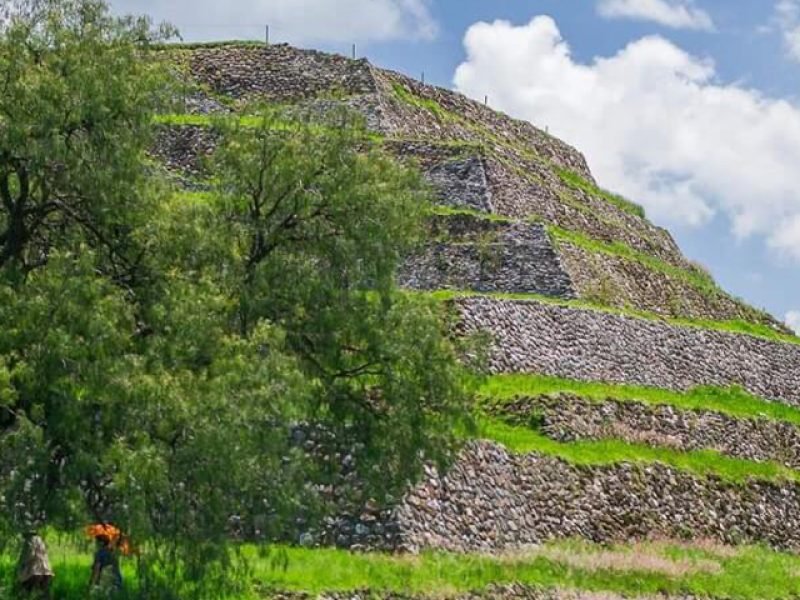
735,326
577,182
520,439
699,280
703,463
732,401
189,120
647,568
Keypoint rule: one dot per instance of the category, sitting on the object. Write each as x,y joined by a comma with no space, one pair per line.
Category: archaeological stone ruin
567,281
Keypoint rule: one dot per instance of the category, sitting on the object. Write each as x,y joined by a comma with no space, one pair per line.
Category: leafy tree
76,103
157,351
321,217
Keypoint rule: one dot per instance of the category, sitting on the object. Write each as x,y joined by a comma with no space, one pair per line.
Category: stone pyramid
573,284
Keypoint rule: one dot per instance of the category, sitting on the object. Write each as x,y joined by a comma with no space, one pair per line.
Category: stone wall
182,148
617,281
568,418
491,500
278,72
461,183
498,257
526,190
493,592
594,346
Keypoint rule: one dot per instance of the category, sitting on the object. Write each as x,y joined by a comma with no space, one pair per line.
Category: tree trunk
34,573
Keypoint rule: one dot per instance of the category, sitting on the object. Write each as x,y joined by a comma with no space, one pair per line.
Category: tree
77,96
322,217
158,350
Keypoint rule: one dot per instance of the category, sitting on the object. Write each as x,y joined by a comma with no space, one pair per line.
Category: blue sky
689,107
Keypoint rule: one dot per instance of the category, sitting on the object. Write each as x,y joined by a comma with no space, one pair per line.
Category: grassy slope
703,282
575,181
733,402
523,440
646,568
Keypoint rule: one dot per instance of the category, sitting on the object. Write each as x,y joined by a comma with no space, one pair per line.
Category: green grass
745,573
737,326
218,44
577,182
699,280
184,120
411,99
734,402
449,211
523,440
254,121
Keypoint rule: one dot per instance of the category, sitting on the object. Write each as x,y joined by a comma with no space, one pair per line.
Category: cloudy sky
689,107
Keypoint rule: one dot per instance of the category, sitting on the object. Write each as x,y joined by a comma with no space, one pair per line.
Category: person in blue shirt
106,576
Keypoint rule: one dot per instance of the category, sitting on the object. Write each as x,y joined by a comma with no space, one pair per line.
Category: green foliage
162,393
577,182
730,401
157,351
524,440
321,223
75,110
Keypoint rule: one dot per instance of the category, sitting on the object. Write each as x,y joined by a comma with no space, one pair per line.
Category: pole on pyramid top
354,51
267,35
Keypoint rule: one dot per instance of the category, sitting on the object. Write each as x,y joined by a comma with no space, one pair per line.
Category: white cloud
295,21
654,123
786,20
678,14
793,320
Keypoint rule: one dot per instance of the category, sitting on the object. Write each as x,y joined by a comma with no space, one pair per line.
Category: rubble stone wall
278,72
517,258
569,418
491,500
588,345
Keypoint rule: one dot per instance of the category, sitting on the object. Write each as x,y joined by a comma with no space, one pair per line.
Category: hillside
631,397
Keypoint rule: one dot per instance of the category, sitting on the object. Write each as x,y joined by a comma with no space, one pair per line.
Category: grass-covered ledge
703,463
734,402
737,326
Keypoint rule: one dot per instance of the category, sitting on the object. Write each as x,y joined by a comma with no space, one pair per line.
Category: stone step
491,500
569,417
591,345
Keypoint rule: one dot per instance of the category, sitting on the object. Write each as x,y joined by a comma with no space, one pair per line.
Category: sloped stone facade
588,345
497,257
491,500
569,418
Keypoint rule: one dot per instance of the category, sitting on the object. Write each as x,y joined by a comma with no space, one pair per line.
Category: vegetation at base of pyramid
161,361
249,297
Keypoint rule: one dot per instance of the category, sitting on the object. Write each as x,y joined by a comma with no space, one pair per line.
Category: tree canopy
158,349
